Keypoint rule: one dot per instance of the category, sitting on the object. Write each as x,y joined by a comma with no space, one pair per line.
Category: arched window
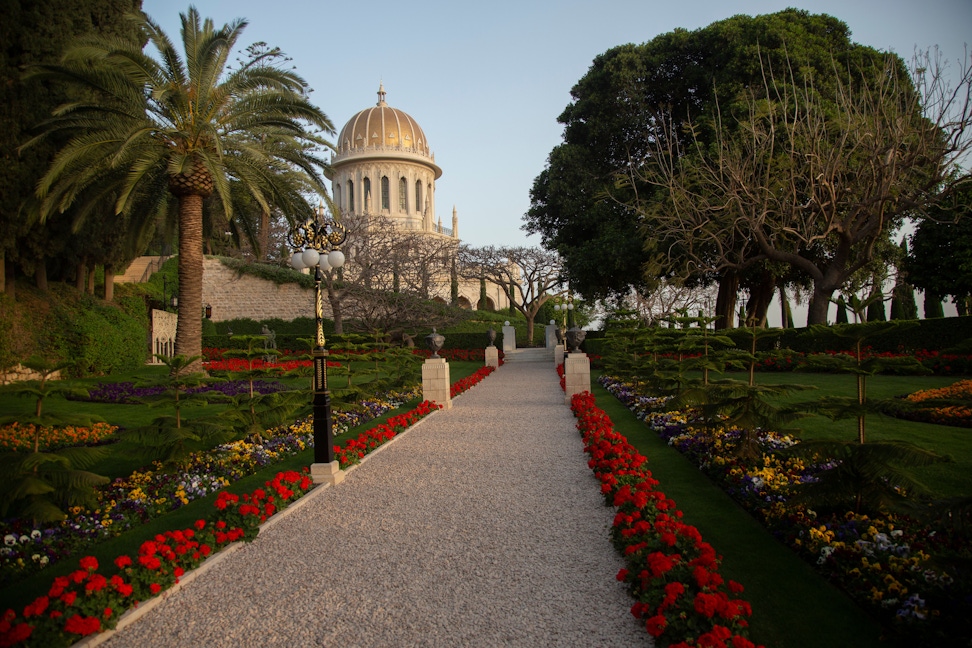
418,196
402,195
367,195
350,196
337,195
385,198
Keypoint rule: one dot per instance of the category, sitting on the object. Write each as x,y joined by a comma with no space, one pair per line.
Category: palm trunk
264,236
188,340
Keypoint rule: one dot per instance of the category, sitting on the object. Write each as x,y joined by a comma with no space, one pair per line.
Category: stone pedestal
509,339
558,355
492,356
435,382
327,473
577,375
550,335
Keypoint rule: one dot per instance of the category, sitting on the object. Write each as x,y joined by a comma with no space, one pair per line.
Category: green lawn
944,479
793,607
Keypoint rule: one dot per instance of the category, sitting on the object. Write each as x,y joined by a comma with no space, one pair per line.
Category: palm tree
182,126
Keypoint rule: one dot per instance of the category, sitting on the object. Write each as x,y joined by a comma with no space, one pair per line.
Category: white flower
44,560
24,539
35,557
10,539
35,534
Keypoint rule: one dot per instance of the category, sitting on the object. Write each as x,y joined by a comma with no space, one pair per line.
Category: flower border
86,602
671,572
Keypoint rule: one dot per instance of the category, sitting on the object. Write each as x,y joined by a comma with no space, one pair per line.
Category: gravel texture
480,526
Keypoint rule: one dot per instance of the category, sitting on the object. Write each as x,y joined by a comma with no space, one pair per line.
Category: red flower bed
86,601
355,449
463,384
672,573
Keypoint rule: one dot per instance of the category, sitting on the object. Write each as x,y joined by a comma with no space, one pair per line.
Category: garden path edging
135,613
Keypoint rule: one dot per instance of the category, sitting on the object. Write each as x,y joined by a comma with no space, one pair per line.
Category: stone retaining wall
20,373
234,296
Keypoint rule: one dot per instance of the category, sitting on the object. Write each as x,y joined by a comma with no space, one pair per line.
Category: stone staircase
538,354
136,271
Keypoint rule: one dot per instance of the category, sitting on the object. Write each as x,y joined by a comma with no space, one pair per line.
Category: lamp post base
327,473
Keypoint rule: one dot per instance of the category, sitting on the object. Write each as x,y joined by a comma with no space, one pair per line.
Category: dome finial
381,94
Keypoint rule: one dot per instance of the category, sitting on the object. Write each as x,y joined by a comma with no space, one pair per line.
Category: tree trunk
726,299
819,306
336,314
40,274
188,340
3,272
9,277
91,281
787,314
109,282
759,300
80,276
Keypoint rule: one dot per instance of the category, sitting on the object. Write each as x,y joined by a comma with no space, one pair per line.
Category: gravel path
481,526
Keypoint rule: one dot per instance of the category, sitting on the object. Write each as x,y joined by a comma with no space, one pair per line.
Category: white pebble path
480,526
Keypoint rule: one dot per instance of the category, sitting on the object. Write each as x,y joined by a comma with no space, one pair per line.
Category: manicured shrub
99,338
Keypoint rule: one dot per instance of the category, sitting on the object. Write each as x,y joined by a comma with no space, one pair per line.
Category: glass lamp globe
310,256
297,261
335,258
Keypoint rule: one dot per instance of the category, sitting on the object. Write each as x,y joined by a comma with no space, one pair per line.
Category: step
539,354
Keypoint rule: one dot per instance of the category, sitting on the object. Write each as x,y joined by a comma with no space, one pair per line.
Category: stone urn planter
491,336
434,341
575,336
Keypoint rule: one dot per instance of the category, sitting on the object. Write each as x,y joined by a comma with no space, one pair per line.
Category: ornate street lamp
316,245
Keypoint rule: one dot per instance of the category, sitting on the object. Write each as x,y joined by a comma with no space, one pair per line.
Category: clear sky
487,80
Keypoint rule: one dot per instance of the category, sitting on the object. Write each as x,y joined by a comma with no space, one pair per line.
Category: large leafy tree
182,124
37,31
622,111
815,176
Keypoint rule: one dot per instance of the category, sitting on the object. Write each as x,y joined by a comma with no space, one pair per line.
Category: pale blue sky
487,80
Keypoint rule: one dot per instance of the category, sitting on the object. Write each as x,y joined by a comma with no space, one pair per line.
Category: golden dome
382,127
